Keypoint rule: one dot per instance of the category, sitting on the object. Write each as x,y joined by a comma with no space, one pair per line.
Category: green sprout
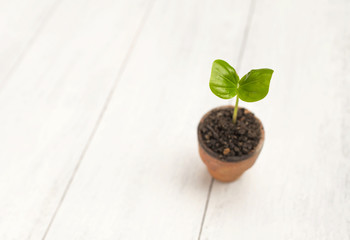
225,83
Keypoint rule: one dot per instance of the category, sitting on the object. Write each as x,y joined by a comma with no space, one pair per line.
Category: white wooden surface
300,186
52,103
99,103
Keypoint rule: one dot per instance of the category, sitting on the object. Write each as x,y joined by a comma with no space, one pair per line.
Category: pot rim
232,159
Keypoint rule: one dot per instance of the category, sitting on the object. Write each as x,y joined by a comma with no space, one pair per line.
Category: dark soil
227,139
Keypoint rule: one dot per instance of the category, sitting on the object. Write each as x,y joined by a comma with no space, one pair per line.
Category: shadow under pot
228,149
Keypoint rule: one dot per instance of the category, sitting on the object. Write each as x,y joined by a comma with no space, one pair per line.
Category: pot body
227,171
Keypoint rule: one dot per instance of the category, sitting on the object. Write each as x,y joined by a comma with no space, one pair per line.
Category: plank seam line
205,208
31,41
246,34
239,61
100,117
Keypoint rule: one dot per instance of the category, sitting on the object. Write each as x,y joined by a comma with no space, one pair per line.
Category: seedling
225,83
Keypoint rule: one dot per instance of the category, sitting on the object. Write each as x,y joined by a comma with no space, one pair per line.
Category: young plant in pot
231,137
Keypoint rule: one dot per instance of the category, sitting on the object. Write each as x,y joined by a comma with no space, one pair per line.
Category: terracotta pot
227,171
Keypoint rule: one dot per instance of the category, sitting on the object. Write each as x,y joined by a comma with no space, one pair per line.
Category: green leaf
223,80
254,86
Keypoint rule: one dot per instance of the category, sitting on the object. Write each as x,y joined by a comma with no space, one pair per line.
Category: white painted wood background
100,100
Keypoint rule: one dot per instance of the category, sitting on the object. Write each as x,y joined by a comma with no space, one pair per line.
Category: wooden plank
299,188
20,23
142,177
52,102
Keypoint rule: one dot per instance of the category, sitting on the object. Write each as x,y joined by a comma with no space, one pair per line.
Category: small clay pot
227,171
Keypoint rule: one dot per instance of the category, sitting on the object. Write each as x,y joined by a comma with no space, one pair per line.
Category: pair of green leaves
225,83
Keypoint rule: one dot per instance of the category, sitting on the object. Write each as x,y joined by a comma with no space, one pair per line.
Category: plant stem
235,111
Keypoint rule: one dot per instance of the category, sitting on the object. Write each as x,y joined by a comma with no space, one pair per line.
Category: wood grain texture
50,104
142,177
299,187
20,24
100,100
